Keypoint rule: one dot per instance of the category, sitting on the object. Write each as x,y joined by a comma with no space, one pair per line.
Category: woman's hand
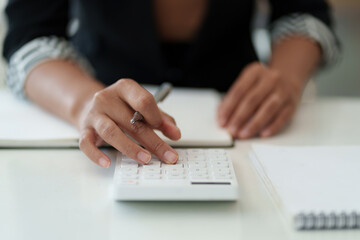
107,119
260,102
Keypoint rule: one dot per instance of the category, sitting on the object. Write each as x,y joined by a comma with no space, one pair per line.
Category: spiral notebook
22,124
315,187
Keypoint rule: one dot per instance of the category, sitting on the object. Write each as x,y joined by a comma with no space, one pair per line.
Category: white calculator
199,175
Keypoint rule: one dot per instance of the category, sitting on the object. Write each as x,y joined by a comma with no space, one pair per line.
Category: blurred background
342,79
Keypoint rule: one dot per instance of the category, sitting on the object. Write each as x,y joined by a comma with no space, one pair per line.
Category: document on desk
26,125
315,187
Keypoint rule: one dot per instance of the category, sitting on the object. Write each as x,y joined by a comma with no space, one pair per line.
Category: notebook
315,187
25,125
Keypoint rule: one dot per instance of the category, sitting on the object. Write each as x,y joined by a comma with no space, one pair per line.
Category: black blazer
119,37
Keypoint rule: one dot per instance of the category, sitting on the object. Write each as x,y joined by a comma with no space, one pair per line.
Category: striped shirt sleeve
310,27
35,52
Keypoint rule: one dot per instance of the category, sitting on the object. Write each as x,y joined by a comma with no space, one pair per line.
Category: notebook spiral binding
333,220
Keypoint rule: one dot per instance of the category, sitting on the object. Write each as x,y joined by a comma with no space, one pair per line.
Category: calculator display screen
210,183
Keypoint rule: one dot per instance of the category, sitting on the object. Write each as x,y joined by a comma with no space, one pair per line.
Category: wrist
296,58
81,105
297,81
78,112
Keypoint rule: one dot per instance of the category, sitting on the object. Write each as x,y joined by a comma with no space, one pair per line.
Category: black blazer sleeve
317,8
29,19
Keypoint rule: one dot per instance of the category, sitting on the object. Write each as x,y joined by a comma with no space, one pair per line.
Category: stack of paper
316,187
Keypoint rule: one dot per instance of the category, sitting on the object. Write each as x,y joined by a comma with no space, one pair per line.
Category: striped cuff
310,27
36,52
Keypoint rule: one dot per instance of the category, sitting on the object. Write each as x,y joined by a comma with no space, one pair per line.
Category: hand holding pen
159,96
108,119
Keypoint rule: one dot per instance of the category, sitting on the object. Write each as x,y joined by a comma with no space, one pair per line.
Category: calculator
198,175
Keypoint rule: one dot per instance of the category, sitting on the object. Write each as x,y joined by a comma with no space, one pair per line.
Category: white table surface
60,194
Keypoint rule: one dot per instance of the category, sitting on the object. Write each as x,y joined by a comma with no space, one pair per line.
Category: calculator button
219,163
216,152
169,166
174,170
183,162
182,158
128,170
128,176
222,176
129,163
217,158
152,164
175,176
181,152
221,170
199,176
151,176
151,171
128,182
198,170
197,164
195,151
196,157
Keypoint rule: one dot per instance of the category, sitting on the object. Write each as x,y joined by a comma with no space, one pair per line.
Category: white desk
59,194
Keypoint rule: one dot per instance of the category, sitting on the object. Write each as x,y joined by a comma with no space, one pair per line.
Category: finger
168,118
87,144
251,102
121,114
280,121
267,111
169,128
140,100
237,91
111,133
142,133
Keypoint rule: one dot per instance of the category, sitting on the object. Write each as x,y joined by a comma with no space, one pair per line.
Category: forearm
296,58
61,87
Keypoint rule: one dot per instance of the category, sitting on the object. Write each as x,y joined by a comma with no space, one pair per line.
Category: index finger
236,92
140,100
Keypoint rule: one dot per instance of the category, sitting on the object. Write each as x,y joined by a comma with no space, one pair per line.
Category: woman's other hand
260,102
264,98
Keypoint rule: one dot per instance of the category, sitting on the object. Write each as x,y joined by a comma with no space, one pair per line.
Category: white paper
312,179
22,124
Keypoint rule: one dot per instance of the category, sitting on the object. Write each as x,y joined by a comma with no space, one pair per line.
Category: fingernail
144,157
232,130
104,162
245,133
170,123
170,156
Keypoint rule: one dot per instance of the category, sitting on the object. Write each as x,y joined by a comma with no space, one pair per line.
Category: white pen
159,96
